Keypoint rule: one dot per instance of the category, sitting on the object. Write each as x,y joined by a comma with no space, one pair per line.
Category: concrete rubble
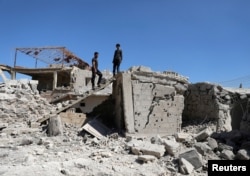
57,148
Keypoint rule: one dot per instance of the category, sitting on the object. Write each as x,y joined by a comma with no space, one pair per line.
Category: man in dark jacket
95,71
117,59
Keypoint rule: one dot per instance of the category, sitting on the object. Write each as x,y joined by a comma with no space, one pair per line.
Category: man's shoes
99,85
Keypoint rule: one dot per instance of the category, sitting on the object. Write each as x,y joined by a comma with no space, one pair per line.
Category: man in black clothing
95,71
117,59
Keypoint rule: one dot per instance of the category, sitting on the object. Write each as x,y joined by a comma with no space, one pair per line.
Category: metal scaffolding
53,55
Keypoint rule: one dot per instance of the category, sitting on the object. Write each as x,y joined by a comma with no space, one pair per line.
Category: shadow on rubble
102,117
234,141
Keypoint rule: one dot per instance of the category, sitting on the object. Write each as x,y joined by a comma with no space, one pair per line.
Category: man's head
96,54
117,45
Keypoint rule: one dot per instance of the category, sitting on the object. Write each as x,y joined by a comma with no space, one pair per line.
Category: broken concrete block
96,128
180,137
242,155
193,157
185,166
146,158
227,154
202,148
55,126
136,151
156,140
203,135
212,143
172,147
146,148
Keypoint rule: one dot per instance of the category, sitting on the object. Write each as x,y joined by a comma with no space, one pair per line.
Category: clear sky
205,40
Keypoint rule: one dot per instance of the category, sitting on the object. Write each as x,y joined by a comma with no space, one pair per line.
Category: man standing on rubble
117,59
95,71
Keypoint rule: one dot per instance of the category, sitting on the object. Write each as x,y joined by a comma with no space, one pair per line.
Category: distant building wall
81,83
210,101
80,79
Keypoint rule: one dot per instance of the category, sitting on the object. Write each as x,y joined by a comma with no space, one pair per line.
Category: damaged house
63,77
143,102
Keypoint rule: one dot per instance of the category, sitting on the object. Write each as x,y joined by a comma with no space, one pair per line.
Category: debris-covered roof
54,55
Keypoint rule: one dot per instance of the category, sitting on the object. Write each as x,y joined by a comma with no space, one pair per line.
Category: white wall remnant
149,103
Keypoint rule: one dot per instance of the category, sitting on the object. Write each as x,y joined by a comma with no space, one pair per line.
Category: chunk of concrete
172,147
242,155
146,148
96,128
180,137
55,126
146,158
202,148
203,135
185,166
212,143
193,157
227,154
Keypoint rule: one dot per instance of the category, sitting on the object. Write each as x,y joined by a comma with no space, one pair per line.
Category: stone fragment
193,157
146,158
55,126
185,166
202,148
146,148
203,135
242,155
227,154
180,137
212,143
172,147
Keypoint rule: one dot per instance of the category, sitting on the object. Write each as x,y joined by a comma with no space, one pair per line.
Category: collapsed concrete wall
147,102
211,101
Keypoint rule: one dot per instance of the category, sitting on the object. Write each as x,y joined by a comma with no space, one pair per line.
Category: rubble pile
21,106
26,149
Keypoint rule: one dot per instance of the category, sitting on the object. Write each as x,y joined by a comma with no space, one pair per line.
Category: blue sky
205,40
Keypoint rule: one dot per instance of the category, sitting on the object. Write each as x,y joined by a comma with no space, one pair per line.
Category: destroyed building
229,107
145,102
58,101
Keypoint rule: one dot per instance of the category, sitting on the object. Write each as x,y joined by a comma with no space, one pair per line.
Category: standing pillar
54,80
